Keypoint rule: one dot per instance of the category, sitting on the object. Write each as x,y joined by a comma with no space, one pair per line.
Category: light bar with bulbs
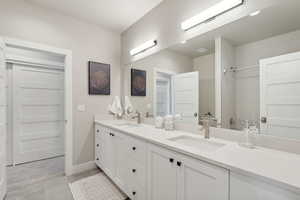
147,45
211,13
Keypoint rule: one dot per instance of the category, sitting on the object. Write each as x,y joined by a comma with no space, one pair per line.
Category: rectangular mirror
245,72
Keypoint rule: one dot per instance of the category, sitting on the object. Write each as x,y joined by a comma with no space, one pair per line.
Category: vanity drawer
136,150
137,174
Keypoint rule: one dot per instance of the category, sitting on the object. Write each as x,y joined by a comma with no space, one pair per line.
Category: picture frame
138,82
99,78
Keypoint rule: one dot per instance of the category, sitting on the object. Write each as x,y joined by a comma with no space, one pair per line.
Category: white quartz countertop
276,167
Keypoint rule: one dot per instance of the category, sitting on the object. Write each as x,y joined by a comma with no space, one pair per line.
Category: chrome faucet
205,127
138,117
206,123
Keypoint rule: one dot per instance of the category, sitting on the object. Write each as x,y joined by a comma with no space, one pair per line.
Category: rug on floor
97,187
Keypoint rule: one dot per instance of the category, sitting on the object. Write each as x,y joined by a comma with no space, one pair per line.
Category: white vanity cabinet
177,177
248,188
123,159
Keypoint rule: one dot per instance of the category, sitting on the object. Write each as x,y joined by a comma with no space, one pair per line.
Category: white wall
163,24
206,67
227,84
165,60
22,20
247,82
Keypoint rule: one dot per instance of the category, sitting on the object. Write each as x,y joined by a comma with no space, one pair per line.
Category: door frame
155,71
68,92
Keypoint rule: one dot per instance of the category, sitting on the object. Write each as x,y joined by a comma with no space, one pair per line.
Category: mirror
245,71
180,81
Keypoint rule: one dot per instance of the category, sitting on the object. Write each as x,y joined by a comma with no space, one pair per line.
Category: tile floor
41,180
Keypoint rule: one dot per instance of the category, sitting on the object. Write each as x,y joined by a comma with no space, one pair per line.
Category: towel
128,108
116,107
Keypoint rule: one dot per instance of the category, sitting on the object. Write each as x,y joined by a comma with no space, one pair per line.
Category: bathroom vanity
154,164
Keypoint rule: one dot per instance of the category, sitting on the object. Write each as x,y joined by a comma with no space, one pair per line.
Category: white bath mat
97,187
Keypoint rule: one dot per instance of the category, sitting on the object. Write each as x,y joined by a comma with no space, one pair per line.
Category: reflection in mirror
245,72
180,81
260,72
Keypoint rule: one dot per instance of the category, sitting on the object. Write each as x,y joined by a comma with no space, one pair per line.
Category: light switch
81,108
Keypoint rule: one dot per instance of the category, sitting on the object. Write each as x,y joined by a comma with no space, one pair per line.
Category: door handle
263,120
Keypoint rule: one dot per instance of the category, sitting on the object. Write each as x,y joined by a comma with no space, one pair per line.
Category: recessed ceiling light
202,50
183,42
254,13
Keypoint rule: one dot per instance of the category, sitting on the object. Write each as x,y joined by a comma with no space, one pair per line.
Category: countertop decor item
159,122
99,78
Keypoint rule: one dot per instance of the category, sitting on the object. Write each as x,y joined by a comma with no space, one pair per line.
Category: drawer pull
133,193
171,160
133,148
133,170
178,163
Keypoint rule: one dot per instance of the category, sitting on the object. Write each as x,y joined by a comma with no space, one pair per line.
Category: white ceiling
116,15
270,22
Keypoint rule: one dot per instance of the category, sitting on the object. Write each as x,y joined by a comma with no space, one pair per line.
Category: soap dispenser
247,132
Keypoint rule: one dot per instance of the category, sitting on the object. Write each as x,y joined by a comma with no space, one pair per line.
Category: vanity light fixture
147,45
211,13
254,13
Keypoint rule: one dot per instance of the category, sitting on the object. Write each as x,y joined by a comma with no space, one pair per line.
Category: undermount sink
201,144
128,124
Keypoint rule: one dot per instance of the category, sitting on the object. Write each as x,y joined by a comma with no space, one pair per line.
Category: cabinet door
162,175
108,153
122,170
248,188
200,180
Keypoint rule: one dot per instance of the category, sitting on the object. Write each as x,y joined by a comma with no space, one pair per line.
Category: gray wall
24,21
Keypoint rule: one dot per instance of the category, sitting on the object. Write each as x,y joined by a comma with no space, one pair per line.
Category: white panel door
186,95
38,113
280,96
3,107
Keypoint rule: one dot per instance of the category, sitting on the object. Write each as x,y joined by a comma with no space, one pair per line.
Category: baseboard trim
83,167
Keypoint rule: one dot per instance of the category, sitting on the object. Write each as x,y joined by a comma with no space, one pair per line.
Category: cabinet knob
171,160
97,130
178,163
133,193
133,148
97,159
98,145
133,170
